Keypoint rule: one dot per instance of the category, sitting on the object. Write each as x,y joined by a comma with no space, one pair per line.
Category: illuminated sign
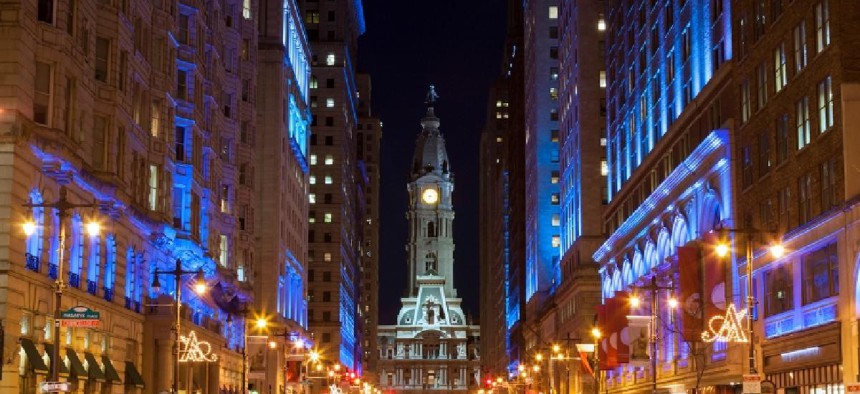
194,350
727,328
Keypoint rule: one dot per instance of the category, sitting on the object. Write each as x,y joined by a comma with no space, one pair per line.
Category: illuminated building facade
368,143
433,346
335,213
140,113
670,106
541,151
278,174
796,174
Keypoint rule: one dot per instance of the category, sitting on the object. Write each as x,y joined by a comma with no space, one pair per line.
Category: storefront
807,362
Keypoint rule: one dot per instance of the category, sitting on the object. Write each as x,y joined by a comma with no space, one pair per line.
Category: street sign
79,316
55,387
752,384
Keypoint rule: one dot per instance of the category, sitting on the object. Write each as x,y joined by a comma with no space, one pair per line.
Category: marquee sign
194,350
727,328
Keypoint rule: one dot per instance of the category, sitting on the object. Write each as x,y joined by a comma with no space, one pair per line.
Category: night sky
457,46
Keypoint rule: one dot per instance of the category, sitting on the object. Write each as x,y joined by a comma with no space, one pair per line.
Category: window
312,180
780,73
822,25
745,101
100,143
183,29
329,102
802,125
153,187
820,274
328,180
746,156
553,136
326,276
180,143
601,22
327,257
326,296
553,32
800,52
765,215
329,160
102,59
329,59
829,193
556,241
604,168
553,12
182,84
825,105
43,90
224,247
46,11
602,79
327,217
554,177
778,290
782,139
554,199
804,185
312,198
556,220
553,76
313,160
761,80
784,207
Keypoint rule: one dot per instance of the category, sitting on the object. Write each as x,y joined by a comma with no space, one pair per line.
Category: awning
49,350
34,359
132,377
75,364
110,373
94,371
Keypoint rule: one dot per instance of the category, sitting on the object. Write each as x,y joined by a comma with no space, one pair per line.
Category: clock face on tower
430,196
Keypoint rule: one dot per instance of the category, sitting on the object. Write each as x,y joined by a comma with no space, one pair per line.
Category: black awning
110,372
132,377
94,371
78,370
34,359
49,350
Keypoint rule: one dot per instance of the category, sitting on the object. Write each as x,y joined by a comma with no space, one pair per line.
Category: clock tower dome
430,248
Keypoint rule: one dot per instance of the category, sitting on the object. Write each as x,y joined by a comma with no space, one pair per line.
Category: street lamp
199,288
63,207
776,249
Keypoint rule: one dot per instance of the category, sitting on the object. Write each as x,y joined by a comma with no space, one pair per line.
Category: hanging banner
602,345
620,308
639,331
715,278
690,270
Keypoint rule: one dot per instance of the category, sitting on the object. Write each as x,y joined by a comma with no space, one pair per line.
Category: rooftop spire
431,97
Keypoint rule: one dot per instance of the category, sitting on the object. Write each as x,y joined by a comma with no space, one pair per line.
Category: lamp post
653,288
63,207
199,288
723,249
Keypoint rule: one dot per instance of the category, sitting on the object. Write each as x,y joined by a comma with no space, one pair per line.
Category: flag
714,279
619,312
690,271
602,345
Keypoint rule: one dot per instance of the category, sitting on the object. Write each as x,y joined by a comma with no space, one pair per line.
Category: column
164,358
213,375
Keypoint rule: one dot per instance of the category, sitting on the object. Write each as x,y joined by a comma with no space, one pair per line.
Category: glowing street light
93,229
595,332
29,228
777,250
635,301
673,302
722,249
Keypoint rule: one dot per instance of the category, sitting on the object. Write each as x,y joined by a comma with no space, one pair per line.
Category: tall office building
432,346
796,174
543,237
368,144
278,173
336,199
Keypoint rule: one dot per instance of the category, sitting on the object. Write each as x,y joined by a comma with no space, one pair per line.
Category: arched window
430,262
110,266
34,241
131,277
76,255
94,264
431,229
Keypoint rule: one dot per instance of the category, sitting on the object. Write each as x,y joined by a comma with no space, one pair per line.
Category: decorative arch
664,247
711,214
638,264
627,276
607,286
680,231
617,283
650,255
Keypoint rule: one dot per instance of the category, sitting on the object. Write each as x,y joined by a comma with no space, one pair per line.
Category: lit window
556,220
603,141
498,115
498,139
499,103
554,199
327,217
329,160
825,105
313,160
556,241
601,23
603,79
327,257
554,178
802,123
328,180
329,59
553,93
780,71
604,168
312,198
246,9
312,219
553,12
329,102
822,25
312,180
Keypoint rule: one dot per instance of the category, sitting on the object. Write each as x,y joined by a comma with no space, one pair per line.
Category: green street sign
79,313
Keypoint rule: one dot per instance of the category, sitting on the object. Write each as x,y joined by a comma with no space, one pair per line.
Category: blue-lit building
669,145
336,196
